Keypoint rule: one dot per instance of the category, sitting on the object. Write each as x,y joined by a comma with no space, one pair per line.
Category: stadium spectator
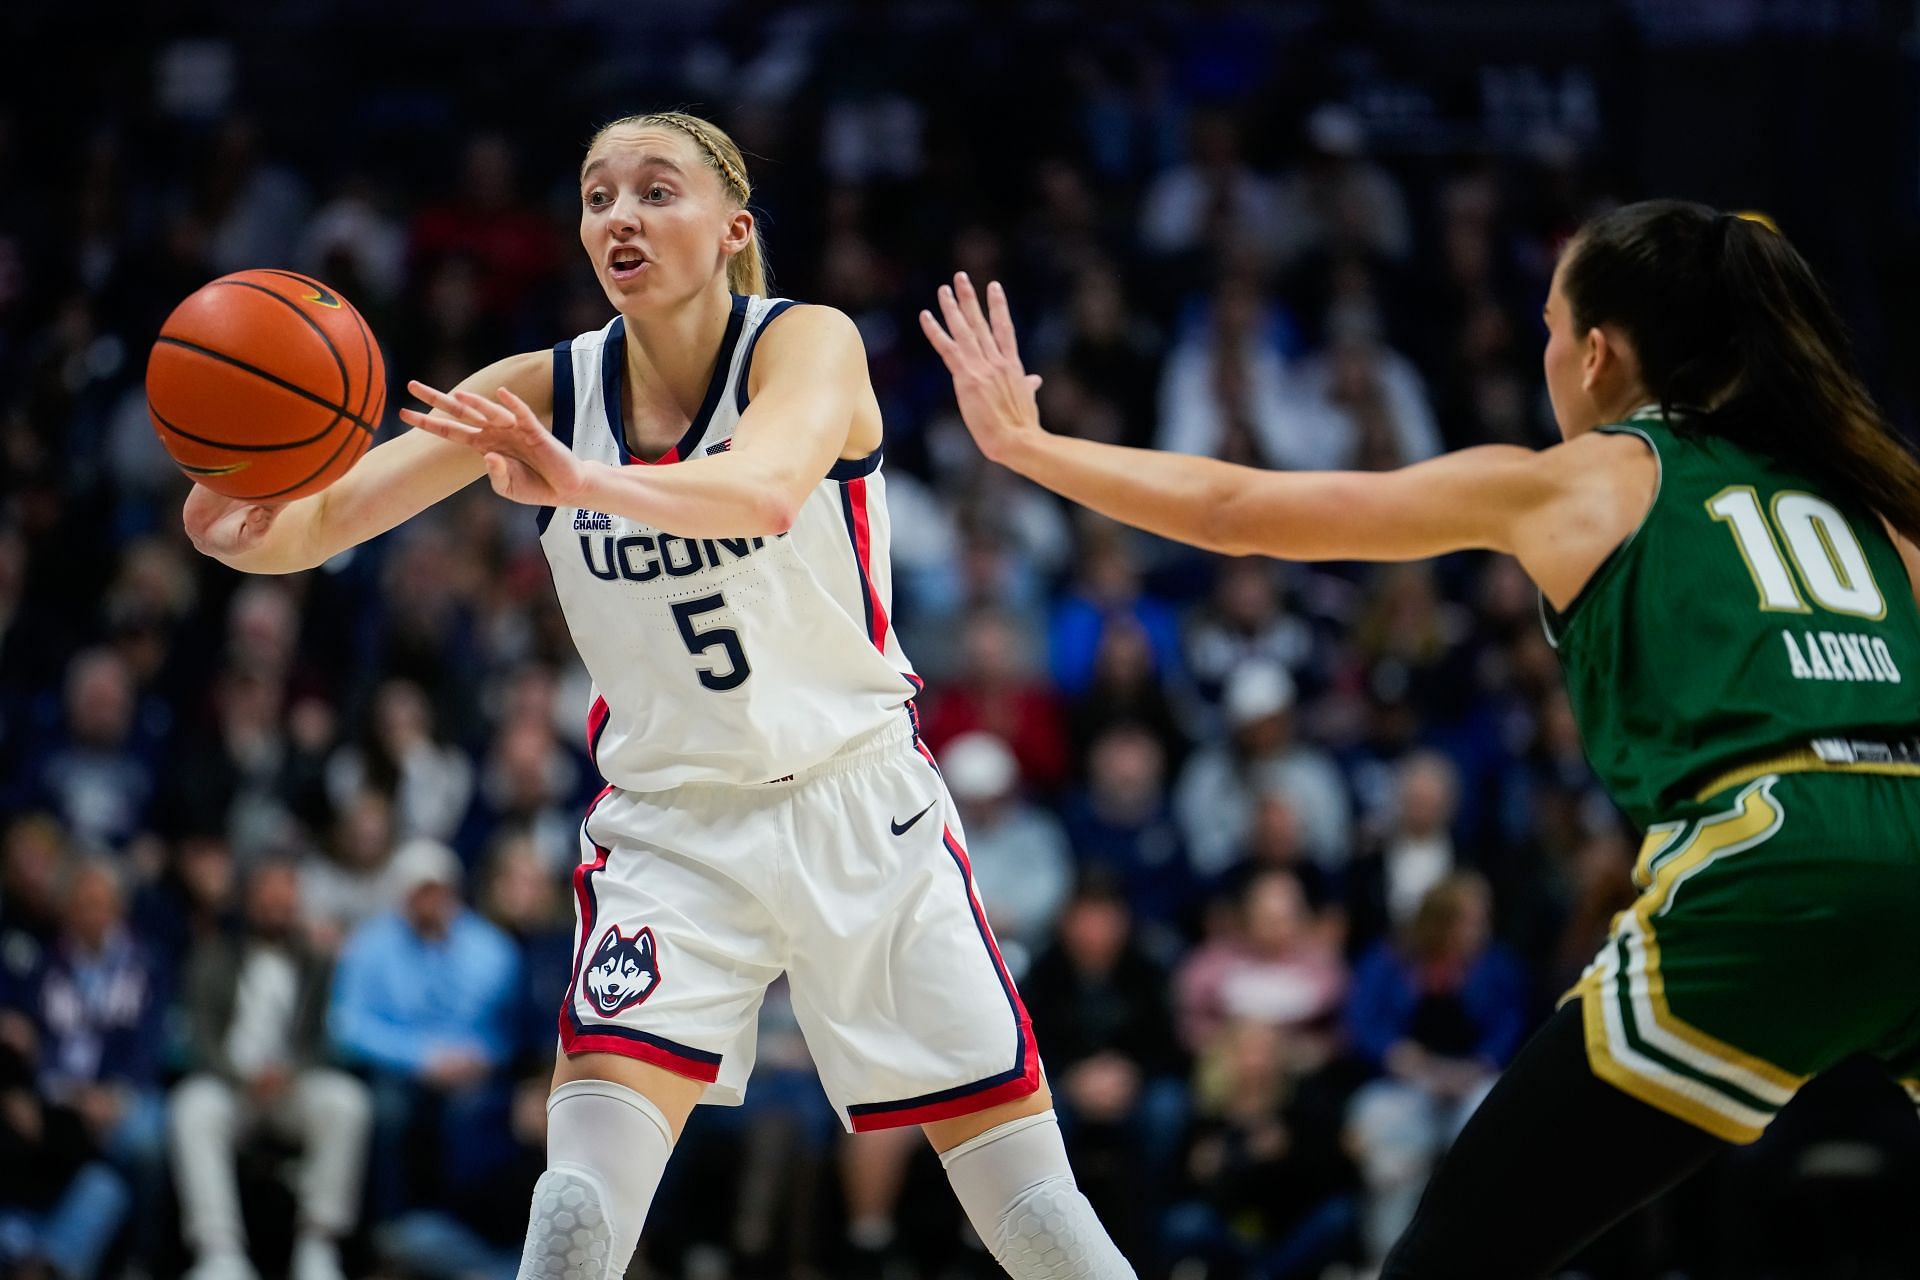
423,1002
33,861
431,781
1108,591
1125,691
1280,966
349,881
1245,621
97,1006
1391,878
1121,827
61,1207
96,777
1214,799
1112,1056
1214,199
1266,1187
995,691
1228,390
1439,1010
256,1007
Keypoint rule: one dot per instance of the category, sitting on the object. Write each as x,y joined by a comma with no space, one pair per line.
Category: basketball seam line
345,439
366,341
339,361
264,376
240,448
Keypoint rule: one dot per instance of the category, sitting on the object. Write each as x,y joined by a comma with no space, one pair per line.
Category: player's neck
670,354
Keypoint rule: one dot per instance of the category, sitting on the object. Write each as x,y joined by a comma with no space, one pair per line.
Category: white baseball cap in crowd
978,766
421,861
1256,690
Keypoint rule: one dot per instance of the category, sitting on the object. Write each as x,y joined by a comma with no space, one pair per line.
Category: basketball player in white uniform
769,807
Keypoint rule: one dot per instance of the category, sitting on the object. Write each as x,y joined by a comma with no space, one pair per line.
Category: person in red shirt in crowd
488,223
995,692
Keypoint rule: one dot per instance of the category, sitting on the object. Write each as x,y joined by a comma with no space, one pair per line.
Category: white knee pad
567,1233
1018,1191
607,1147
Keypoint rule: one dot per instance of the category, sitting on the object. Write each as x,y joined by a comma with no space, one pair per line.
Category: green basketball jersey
1750,613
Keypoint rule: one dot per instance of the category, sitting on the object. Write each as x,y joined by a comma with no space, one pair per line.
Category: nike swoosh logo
901,828
323,297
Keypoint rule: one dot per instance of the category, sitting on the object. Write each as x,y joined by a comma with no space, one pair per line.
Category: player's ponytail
1730,324
747,270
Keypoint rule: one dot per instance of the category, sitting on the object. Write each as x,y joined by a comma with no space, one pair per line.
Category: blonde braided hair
747,269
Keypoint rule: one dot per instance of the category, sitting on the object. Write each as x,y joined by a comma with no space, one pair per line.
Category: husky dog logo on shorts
622,973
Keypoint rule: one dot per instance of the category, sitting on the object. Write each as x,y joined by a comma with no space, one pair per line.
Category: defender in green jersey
1742,636
1725,548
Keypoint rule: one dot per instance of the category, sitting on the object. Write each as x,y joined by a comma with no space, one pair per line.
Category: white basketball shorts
851,877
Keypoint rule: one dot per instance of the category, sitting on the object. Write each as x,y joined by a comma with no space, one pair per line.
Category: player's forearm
1460,501
1179,496
725,496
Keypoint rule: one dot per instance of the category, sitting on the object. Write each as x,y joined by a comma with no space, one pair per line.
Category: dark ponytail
1731,326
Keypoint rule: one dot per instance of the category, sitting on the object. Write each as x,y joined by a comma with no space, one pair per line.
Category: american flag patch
722,447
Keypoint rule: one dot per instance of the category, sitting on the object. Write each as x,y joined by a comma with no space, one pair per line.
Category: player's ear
739,231
1597,358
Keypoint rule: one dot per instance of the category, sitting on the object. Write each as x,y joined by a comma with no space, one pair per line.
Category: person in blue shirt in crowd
423,1004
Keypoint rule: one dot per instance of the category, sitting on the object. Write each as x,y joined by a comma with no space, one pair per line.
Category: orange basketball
266,385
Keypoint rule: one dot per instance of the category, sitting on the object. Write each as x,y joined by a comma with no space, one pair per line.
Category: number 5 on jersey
1823,545
726,639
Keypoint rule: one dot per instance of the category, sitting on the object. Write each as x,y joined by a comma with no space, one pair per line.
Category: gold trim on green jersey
1802,761
1635,1001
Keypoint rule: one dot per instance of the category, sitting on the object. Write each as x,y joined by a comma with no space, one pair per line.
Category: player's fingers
497,474
970,308
937,337
522,412
1001,317
482,411
964,338
434,424
433,396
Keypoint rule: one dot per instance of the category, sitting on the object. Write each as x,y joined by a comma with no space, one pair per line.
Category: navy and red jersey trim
774,312
1017,1081
853,509
613,370
562,412
597,716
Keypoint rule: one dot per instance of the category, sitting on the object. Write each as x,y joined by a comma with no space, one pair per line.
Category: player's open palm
995,391
524,461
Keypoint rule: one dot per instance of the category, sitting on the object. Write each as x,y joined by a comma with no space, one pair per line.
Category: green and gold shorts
1777,932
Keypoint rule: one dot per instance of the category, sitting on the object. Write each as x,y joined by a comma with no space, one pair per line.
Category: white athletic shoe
315,1258
223,1264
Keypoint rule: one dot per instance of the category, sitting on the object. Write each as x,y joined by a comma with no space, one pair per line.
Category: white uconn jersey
732,660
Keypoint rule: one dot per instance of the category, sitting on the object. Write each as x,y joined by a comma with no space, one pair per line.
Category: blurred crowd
1287,859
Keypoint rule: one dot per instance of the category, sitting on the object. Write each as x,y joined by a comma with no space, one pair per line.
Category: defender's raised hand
995,391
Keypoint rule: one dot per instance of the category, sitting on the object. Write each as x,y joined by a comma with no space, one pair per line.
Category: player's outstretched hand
524,461
995,391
